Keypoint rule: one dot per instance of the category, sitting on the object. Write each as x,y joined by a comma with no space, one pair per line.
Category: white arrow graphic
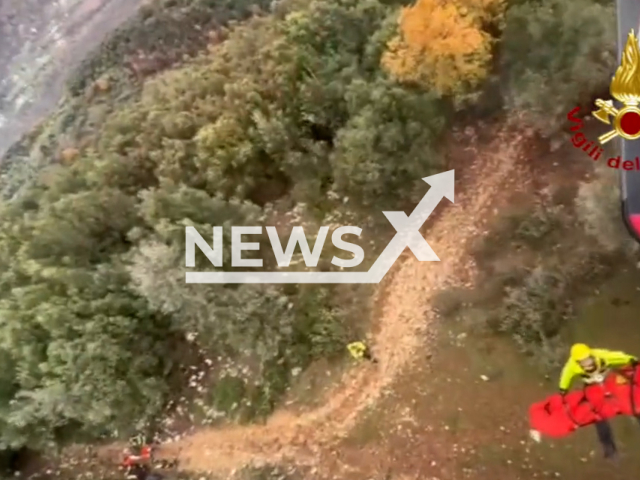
408,228
408,235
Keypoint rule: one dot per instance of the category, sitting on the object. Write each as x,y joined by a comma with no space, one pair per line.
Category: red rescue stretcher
557,417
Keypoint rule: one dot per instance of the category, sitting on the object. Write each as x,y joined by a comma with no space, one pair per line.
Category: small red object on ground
145,454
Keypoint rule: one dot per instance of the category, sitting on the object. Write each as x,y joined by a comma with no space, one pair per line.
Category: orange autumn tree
442,44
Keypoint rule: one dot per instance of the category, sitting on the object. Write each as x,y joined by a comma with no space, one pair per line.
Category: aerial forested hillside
223,113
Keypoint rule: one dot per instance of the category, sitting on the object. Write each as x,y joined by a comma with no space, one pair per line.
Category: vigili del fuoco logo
625,87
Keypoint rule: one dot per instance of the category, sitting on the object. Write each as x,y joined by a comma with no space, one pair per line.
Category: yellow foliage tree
442,44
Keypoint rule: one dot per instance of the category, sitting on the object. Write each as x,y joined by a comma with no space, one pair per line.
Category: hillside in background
42,42
297,112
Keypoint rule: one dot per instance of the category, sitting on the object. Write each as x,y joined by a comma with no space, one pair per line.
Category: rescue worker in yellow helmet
593,365
359,351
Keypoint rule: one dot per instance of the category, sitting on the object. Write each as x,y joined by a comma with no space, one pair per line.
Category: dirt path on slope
404,331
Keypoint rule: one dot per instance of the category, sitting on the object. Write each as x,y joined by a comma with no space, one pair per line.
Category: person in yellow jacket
592,365
359,351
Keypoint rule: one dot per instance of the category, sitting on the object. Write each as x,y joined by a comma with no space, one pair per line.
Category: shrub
534,312
535,226
598,208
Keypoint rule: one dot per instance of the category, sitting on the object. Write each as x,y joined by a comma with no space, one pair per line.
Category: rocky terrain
41,41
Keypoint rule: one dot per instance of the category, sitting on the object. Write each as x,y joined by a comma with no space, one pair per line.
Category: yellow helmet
580,352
